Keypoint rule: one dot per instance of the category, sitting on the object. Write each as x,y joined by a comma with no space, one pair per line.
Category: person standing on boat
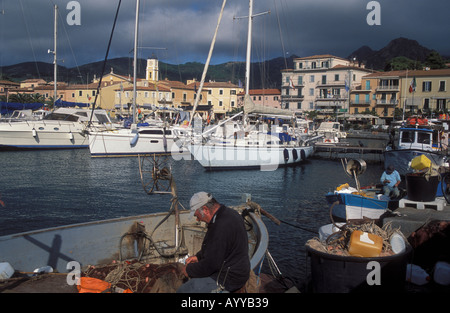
222,264
390,180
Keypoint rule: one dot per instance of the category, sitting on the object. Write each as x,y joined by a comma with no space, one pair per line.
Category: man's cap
390,169
198,200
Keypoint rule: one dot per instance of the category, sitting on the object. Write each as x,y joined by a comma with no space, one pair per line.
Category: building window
311,91
300,80
311,79
311,105
442,85
220,91
299,105
313,65
80,93
300,65
426,104
232,103
336,77
220,103
426,86
324,79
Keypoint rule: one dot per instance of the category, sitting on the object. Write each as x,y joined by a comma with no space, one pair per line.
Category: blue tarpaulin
60,103
9,107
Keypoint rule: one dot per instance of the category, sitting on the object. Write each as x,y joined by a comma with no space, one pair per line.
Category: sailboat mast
55,64
249,47
136,28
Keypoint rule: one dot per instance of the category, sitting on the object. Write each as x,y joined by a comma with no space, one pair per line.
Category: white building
320,82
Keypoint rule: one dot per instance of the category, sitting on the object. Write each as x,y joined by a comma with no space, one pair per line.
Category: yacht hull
214,157
42,135
127,142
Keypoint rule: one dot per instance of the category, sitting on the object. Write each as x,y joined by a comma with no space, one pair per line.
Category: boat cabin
422,135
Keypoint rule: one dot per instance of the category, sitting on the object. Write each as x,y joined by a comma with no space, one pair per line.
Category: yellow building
431,92
222,96
384,92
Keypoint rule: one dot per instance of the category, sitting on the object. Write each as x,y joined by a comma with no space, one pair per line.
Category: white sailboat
64,128
138,139
249,147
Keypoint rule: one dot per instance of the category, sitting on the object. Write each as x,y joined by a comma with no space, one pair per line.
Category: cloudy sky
179,31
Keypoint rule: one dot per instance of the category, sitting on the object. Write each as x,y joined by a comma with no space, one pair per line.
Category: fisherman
222,264
390,180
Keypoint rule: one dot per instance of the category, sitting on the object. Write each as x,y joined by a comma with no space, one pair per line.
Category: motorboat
417,136
63,128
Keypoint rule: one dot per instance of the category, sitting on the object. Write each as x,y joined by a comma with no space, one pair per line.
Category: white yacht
249,148
64,128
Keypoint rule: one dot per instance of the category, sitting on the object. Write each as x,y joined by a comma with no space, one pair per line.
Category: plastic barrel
419,188
348,274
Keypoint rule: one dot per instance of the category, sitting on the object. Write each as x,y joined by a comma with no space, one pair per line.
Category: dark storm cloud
184,28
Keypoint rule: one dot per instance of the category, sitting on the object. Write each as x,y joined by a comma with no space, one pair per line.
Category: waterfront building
408,91
321,83
222,97
264,97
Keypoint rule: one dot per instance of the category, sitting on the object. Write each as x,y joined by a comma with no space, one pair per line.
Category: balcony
360,103
388,88
291,98
385,102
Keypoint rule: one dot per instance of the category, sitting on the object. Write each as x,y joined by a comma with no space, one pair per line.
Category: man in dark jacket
223,263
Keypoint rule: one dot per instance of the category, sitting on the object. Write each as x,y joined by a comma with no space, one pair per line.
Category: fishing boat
353,205
417,136
349,203
249,147
151,239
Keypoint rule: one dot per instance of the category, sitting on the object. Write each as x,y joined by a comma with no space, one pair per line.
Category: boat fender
134,140
70,136
33,132
286,154
294,154
302,154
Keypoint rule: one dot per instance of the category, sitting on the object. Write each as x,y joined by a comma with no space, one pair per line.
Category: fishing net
139,277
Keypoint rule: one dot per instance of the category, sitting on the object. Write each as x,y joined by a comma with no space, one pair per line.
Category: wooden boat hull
102,242
347,206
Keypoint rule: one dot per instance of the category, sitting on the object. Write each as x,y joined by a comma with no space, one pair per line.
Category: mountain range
264,74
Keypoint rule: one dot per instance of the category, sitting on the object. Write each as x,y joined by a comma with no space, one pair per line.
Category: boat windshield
61,117
423,138
407,137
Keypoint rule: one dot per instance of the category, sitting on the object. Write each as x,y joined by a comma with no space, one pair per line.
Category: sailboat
63,128
138,138
248,147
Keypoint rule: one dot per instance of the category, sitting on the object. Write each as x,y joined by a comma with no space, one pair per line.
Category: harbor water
42,189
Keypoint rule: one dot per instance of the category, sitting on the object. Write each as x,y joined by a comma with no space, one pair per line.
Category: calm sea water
42,189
